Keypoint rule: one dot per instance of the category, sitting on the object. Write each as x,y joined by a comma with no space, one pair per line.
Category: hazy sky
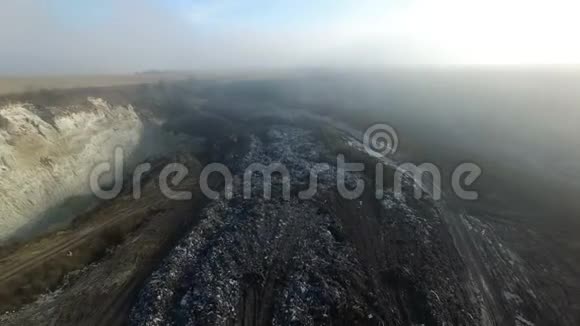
88,36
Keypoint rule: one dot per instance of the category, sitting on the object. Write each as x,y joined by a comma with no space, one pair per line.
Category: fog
458,87
88,37
520,125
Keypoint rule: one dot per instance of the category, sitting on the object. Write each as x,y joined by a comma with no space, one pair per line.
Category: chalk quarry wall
46,155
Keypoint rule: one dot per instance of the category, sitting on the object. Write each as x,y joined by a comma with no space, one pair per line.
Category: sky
120,36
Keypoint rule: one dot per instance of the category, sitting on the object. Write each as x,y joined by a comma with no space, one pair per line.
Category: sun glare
492,32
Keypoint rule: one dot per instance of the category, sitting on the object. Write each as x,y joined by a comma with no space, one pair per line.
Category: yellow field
12,85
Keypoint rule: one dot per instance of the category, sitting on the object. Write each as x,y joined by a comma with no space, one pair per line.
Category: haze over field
107,36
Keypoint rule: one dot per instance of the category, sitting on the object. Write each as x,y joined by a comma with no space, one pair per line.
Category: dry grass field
13,85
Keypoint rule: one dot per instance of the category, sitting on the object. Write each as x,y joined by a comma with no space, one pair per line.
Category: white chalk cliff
46,155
